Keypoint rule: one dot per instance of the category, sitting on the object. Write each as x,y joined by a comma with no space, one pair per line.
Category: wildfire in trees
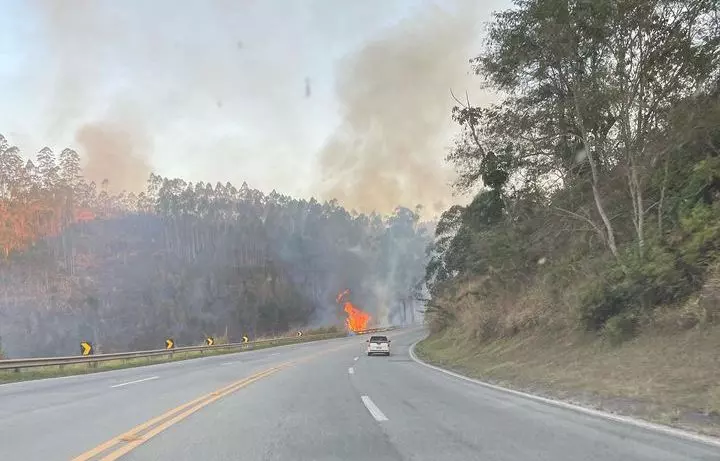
357,319
84,214
21,224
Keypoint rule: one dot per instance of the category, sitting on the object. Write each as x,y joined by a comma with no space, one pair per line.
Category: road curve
313,401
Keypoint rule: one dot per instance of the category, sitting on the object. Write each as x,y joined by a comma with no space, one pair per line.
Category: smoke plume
395,115
203,88
86,43
115,152
234,91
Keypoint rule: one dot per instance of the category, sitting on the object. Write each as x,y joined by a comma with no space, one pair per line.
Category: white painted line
373,409
351,370
356,358
715,442
228,363
136,381
274,353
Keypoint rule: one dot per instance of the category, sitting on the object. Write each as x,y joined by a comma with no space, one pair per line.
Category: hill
184,260
594,233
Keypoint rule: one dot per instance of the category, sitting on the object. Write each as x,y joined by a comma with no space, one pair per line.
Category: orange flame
84,214
357,319
24,222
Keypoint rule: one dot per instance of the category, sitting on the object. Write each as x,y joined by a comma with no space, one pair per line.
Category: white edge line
577,408
136,381
373,409
351,370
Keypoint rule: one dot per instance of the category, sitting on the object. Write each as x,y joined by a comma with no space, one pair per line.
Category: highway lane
57,419
328,402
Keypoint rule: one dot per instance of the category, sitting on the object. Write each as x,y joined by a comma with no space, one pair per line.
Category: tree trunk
641,214
662,198
593,169
636,198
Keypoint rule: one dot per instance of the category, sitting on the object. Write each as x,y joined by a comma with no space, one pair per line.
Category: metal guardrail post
92,360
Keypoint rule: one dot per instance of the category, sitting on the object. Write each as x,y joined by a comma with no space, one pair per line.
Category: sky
328,98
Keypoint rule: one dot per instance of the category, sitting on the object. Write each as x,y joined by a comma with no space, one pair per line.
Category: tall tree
587,82
70,171
48,168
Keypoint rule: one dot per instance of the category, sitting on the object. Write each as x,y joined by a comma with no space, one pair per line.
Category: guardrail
19,364
375,330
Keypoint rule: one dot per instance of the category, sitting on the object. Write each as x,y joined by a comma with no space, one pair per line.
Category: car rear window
378,339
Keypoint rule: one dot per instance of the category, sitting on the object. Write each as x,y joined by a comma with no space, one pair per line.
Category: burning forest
78,261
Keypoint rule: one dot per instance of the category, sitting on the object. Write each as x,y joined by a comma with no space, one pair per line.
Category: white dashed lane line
356,358
135,382
373,409
351,370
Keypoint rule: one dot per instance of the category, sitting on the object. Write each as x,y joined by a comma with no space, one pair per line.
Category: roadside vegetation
589,258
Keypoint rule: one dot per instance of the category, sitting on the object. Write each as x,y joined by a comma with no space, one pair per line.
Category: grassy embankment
587,265
668,372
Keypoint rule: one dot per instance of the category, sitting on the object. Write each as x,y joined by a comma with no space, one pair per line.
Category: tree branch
583,218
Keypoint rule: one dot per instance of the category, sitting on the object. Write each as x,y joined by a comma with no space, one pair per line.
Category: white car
378,345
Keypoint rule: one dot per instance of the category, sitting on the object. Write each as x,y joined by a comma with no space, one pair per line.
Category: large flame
357,319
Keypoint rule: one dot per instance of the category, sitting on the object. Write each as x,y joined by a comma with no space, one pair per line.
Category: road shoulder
425,356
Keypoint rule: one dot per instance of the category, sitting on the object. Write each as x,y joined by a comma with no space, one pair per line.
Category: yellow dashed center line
128,441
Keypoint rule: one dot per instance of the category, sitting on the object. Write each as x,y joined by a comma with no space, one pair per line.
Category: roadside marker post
86,348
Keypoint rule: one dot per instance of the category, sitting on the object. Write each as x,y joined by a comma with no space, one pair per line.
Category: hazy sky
216,91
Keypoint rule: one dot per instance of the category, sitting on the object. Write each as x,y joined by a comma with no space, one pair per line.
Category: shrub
699,235
633,282
620,328
667,273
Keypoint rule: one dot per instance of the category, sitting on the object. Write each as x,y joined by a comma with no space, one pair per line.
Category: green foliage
599,171
699,235
632,282
664,275
485,210
620,328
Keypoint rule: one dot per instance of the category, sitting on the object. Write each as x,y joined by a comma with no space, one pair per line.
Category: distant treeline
184,260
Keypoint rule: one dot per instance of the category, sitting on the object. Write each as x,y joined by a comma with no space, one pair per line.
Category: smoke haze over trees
126,270
236,90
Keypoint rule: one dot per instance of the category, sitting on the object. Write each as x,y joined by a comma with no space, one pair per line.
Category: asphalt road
314,401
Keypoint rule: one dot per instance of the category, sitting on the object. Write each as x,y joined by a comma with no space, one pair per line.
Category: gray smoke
395,114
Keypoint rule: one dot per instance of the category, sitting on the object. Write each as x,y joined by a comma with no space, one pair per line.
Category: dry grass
489,312
668,378
526,337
